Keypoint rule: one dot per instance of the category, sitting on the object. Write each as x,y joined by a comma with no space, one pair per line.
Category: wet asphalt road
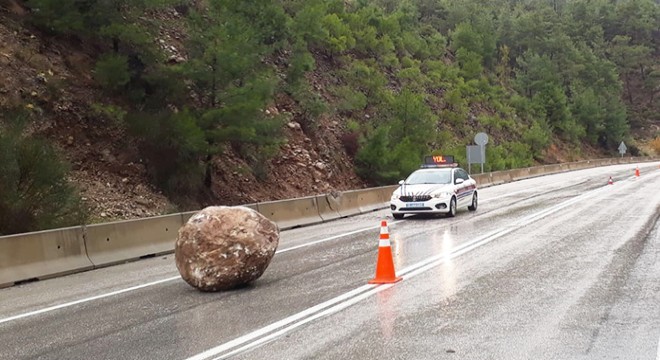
557,267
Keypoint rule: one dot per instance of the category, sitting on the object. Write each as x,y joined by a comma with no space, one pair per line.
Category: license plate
415,205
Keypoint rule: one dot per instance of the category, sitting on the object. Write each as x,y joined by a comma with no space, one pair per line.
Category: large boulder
222,247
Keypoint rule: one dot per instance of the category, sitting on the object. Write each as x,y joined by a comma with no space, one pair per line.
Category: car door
464,190
470,187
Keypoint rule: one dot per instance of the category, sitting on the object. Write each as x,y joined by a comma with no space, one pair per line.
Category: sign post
622,148
481,139
475,155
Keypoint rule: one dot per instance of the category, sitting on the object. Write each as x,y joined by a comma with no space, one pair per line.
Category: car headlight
440,195
395,197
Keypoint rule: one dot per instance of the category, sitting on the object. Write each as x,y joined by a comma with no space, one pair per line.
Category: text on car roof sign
439,160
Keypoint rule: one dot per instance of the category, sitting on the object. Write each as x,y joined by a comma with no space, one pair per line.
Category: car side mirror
402,182
459,181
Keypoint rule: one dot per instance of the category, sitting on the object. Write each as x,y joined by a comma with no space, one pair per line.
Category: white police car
439,187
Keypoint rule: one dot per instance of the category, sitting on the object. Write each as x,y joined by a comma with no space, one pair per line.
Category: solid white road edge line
138,287
357,296
97,297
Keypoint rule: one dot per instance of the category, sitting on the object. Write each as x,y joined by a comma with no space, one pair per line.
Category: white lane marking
137,287
274,326
658,356
535,189
360,294
326,312
97,297
509,194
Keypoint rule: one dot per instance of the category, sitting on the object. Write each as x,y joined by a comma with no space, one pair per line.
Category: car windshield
442,176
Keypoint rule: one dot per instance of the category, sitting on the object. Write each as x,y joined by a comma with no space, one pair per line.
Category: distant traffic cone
385,265
610,181
637,171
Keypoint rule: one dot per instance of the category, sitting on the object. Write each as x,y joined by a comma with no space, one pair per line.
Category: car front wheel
398,216
452,207
475,202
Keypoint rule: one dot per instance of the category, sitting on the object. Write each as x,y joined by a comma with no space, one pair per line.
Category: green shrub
338,37
406,157
407,62
390,61
413,78
300,63
35,193
509,155
373,159
161,85
537,137
113,113
384,161
259,157
367,78
353,126
350,99
495,158
59,16
312,106
174,148
470,63
411,117
572,130
111,72
518,155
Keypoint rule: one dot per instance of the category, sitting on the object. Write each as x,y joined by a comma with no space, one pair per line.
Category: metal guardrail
44,254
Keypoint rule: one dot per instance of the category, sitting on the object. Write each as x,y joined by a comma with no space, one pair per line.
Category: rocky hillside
53,78
160,106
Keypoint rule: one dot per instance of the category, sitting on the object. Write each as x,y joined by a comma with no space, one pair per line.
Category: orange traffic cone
610,181
637,171
385,265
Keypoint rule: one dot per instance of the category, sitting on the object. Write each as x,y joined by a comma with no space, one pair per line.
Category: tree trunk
214,66
642,72
627,81
208,176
